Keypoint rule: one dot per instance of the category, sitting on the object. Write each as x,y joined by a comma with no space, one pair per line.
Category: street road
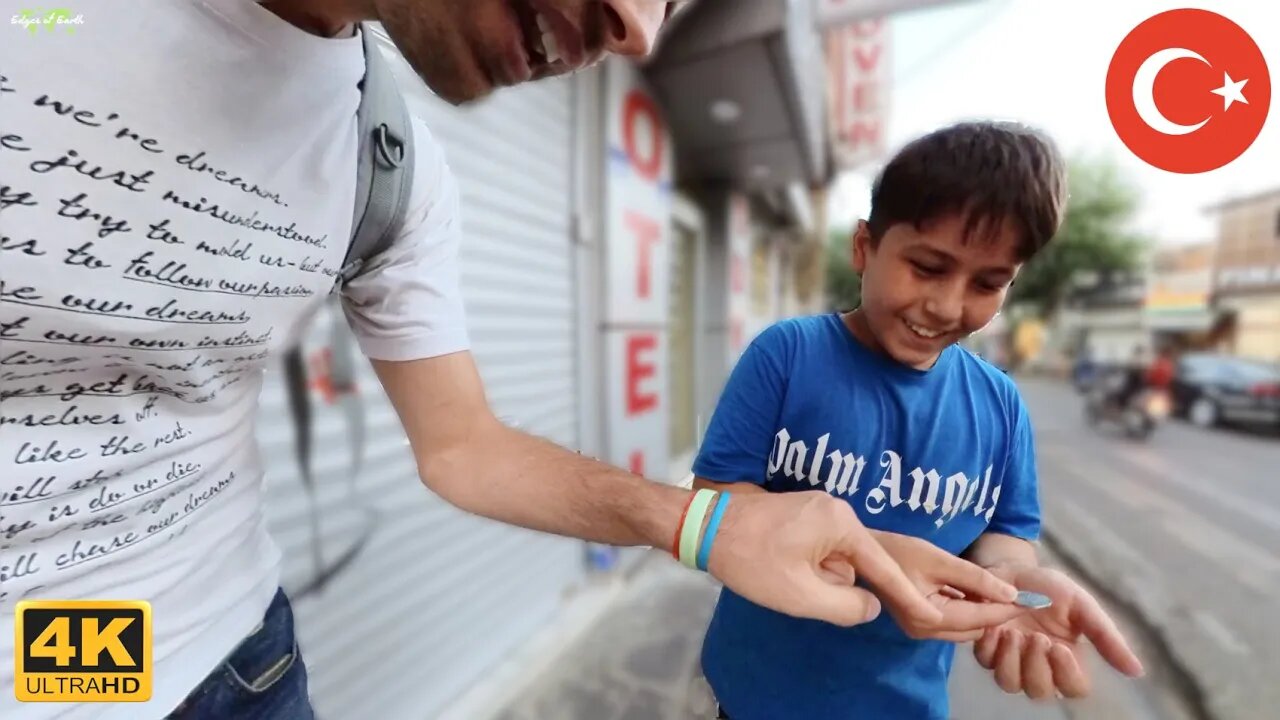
1186,526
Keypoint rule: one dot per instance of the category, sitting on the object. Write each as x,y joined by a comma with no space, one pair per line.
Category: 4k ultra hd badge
82,651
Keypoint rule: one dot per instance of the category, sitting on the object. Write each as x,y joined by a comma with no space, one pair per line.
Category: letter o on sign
647,161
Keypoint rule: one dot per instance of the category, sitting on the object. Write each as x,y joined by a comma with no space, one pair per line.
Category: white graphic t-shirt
176,195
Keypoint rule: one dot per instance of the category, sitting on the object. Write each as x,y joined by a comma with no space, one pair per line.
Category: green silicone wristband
689,534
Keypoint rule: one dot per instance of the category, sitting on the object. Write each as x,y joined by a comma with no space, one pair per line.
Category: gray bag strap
384,179
384,167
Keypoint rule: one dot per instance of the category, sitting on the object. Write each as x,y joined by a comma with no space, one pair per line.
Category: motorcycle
1137,418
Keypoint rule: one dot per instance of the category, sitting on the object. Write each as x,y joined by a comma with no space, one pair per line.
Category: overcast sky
1045,63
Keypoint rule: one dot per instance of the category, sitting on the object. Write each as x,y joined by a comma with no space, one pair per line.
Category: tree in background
1094,238
844,287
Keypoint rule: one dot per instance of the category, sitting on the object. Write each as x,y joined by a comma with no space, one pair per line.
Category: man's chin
459,95
457,80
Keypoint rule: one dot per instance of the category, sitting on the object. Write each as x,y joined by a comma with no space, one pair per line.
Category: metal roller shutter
438,597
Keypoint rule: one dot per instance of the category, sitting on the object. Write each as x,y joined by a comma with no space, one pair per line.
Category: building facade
1179,301
1246,274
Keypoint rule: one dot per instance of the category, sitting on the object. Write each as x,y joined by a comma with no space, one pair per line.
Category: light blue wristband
704,552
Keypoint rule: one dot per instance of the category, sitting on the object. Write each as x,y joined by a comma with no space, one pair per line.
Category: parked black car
1209,389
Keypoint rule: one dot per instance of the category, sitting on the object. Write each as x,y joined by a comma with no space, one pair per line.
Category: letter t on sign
639,370
647,232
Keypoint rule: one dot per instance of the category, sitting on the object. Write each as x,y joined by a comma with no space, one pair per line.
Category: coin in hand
1033,600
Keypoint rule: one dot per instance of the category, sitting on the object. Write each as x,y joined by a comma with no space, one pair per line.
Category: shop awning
745,87
742,84
1182,320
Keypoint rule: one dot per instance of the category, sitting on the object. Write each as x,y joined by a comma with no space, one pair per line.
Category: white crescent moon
1144,97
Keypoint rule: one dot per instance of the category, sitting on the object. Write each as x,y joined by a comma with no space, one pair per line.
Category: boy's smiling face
925,289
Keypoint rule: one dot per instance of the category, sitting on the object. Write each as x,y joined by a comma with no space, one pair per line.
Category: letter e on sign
638,370
82,651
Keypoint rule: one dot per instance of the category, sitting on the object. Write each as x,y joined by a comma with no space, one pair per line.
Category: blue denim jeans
263,678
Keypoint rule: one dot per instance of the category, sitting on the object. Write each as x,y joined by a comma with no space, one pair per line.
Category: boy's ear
861,246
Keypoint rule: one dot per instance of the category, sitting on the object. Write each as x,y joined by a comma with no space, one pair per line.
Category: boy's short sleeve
1018,510
740,436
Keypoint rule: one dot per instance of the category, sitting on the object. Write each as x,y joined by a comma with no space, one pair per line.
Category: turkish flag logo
1188,91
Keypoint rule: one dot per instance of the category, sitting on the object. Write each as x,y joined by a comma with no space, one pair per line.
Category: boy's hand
1040,653
984,600
773,549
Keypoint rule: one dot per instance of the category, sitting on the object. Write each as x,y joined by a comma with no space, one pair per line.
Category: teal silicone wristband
704,552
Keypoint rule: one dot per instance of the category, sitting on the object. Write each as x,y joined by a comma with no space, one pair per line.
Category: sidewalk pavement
639,661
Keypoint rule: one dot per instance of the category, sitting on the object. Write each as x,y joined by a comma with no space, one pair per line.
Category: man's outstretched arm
469,458
769,548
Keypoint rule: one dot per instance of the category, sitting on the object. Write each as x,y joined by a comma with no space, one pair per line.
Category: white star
1231,91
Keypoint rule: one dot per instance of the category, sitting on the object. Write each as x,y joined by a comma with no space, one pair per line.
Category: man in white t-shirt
176,192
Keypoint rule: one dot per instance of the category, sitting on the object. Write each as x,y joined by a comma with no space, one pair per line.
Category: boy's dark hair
991,172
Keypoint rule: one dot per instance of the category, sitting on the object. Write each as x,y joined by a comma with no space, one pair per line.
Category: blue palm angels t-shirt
944,454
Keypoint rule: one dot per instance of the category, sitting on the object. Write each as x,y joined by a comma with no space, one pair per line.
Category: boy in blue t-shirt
931,446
